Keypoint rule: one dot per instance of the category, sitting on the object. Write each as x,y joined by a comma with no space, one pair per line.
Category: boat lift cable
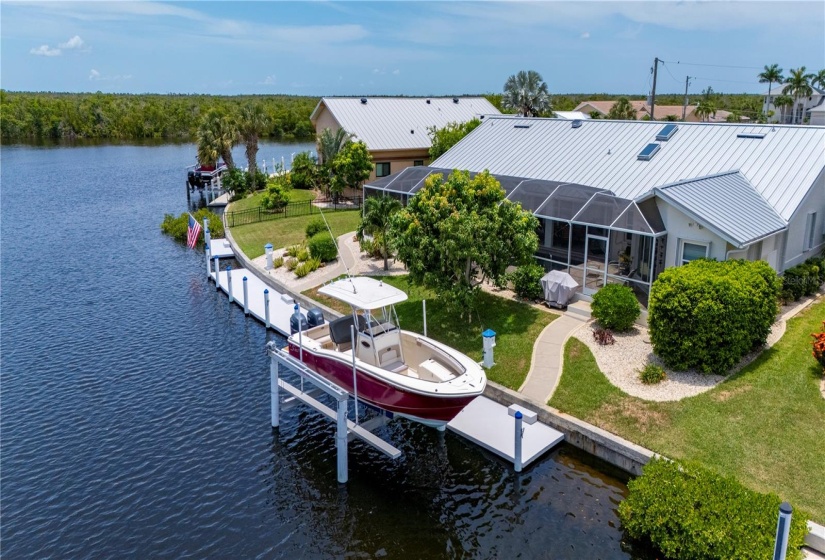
337,249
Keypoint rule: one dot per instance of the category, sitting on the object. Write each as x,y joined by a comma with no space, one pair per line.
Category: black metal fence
291,210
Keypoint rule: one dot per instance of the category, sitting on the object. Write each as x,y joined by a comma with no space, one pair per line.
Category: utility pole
684,106
653,95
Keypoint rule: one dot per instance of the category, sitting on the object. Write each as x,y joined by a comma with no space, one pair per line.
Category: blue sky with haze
410,48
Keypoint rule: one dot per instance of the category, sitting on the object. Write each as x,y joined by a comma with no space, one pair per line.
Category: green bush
292,250
278,263
315,226
177,226
302,255
616,307
306,267
652,374
276,196
322,247
291,264
688,511
707,315
805,278
527,281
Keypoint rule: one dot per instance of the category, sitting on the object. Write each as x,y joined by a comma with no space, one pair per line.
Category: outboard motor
190,179
294,325
315,317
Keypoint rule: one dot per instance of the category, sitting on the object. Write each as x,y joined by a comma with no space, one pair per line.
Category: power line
712,65
718,80
671,75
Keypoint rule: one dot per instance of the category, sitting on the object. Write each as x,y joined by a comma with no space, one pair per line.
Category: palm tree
622,110
217,129
782,102
704,109
527,93
819,80
378,211
771,75
207,148
330,143
251,125
798,84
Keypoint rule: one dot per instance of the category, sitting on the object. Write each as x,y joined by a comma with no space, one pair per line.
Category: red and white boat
399,371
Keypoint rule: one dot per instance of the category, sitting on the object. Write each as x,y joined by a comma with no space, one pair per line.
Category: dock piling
266,306
207,236
527,416
208,262
217,273
341,441
273,389
229,283
245,297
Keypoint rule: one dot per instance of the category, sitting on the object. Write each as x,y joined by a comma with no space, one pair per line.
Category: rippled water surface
135,406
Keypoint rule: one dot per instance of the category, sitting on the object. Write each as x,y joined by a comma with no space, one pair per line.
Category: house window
692,251
810,231
418,163
382,169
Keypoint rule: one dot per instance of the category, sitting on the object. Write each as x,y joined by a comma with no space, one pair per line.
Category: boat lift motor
315,317
489,337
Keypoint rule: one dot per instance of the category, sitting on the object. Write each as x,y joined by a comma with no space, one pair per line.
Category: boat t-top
398,371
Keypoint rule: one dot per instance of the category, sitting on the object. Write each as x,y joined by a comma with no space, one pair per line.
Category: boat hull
431,409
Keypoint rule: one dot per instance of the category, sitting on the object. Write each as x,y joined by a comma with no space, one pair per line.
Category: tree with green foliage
304,171
217,135
526,93
445,138
782,102
705,109
178,226
276,196
770,75
330,143
350,167
818,79
378,213
622,110
252,123
798,85
455,233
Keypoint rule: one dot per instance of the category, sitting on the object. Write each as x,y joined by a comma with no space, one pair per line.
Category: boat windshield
378,321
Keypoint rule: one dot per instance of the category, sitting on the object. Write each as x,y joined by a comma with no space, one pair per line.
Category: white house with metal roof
395,128
619,201
800,111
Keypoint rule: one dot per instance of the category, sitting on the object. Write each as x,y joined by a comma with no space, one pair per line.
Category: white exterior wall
683,228
794,250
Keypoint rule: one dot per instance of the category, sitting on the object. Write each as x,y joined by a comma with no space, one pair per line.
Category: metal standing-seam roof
727,204
401,123
782,165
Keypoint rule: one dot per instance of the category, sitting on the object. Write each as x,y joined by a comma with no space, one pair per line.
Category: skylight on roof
755,135
648,152
667,132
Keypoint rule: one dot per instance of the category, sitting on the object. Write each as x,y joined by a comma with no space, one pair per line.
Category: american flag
192,232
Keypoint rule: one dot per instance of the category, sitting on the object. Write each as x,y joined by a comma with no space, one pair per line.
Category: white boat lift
345,428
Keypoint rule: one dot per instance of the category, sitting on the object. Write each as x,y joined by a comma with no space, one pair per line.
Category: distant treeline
28,116
748,105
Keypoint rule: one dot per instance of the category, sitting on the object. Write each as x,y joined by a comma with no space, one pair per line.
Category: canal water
135,406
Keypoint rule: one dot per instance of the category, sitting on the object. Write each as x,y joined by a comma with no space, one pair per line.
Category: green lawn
254,200
765,425
288,231
516,325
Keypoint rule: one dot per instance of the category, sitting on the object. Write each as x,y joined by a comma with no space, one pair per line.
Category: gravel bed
622,361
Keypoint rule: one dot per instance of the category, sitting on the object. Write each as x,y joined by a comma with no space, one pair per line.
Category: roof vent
750,135
667,133
649,151
412,131
363,101
481,117
455,99
576,123
428,102
521,126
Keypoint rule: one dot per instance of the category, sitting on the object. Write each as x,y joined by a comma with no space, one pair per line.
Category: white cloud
74,43
270,80
45,50
585,35
96,76
396,72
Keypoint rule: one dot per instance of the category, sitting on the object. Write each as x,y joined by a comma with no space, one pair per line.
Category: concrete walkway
548,355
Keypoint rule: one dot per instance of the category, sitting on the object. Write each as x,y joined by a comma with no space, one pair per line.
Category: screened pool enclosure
590,233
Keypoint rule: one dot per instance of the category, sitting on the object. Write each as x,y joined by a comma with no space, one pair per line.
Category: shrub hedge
616,307
803,279
527,281
315,226
177,226
322,247
707,315
688,511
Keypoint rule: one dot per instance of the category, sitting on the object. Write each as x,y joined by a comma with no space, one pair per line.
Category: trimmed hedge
804,279
707,315
527,281
322,247
616,307
688,511
315,226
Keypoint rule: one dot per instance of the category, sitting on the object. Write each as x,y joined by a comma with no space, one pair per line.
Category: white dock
220,201
489,425
279,309
220,248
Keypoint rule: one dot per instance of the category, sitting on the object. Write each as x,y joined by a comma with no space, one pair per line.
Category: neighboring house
799,112
662,194
395,128
662,111
571,115
817,115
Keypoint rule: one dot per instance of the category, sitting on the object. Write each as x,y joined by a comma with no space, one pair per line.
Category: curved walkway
548,355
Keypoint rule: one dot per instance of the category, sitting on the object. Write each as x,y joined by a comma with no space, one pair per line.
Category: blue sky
410,48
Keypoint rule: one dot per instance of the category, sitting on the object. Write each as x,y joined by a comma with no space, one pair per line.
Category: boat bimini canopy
363,292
